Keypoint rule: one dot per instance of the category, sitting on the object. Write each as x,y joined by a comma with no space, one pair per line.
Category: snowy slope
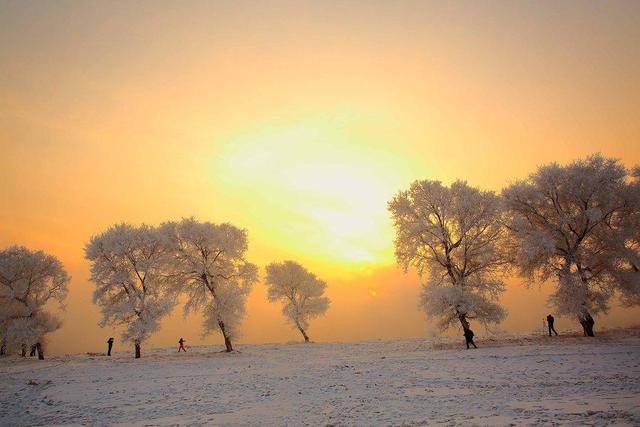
567,381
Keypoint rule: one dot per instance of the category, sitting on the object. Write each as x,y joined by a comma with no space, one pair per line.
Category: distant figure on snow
550,320
181,347
33,350
468,336
110,343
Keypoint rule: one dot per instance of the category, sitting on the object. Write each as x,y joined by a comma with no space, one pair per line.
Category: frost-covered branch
209,266
575,224
301,291
128,267
29,281
454,236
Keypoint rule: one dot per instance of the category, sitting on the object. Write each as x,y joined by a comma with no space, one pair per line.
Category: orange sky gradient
298,121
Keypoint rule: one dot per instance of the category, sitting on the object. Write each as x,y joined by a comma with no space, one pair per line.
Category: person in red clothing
181,347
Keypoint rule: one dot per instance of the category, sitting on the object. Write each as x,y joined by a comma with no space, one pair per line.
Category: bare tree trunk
304,334
137,345
227,340
587,323
464,321
40,351
585,318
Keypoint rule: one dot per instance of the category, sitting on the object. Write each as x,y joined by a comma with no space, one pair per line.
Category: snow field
572,381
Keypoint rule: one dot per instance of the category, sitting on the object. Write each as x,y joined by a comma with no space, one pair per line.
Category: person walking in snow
550,320
468,336
110,343
181,347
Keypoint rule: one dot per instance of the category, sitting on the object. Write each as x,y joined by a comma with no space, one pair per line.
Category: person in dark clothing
550,320
33,350
587,325
181,347
110,343
468,336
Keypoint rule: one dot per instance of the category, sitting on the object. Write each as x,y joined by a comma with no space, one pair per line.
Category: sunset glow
298,122
320,183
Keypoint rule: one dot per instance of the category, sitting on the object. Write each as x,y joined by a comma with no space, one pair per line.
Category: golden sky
298,121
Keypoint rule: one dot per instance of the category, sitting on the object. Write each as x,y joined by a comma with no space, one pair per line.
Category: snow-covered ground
547,381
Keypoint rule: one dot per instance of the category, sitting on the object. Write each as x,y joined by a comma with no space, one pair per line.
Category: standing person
550,320
589,322
110,343
33,350
181,347
468,336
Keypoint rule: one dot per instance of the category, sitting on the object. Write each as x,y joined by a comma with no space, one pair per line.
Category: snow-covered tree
128,267
301,291
628,261
454,236
577,225
29,280
209,266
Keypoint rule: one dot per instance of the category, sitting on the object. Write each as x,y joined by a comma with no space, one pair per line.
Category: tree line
575,226
139,273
